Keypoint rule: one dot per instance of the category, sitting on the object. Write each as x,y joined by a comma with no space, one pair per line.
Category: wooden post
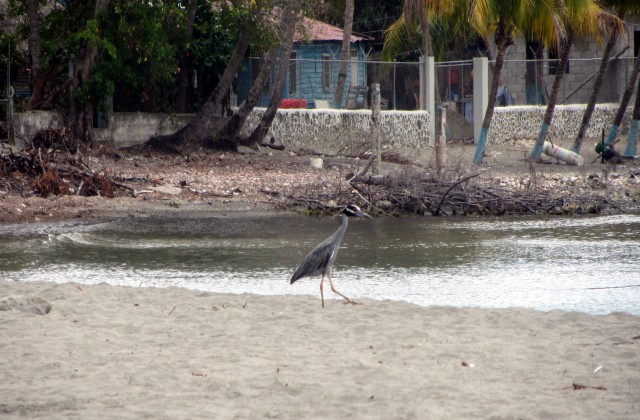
441,143
375,127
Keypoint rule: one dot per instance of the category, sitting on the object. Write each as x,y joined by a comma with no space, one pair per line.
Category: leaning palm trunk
597,84
346,53
229,133
626,97
201,127
495,82
553,97
634,129
267,119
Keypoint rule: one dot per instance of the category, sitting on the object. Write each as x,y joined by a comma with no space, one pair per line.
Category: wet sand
115,352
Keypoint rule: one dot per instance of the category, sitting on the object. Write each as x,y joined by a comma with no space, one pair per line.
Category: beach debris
51,165
577,387
171,311
28,304
597,369
467,364
198,374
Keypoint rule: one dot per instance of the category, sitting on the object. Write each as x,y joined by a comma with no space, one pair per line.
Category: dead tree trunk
289,24
81,115
231,130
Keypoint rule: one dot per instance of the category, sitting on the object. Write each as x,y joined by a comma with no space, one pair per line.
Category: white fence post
480,93
428,94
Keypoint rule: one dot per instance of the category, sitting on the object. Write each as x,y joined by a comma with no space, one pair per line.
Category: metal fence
315,81
523,82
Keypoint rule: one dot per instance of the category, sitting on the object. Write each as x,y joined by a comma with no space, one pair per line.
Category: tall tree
81,112
289,23
580,18
624,102
200,129
345,53
614,29
183,76
634,128
505,19
230,131
34,39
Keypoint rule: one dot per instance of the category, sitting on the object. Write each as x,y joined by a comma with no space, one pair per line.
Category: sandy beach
114,352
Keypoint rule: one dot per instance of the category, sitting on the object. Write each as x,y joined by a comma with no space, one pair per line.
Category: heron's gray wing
314,263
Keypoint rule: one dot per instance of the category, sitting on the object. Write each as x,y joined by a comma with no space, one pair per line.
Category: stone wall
523,122
327,130
330,131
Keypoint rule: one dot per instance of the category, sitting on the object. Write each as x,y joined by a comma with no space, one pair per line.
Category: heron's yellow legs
333,289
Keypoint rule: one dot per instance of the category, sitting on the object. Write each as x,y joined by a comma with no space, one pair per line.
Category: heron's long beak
363,214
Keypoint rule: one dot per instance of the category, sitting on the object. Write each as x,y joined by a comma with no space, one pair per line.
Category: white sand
116,352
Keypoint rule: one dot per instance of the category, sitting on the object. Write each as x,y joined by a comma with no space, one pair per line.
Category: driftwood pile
405,193
50,166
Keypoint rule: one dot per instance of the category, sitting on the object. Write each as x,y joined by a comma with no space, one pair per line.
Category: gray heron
320,260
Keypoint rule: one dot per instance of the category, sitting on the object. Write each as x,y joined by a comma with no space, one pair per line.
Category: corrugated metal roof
320,31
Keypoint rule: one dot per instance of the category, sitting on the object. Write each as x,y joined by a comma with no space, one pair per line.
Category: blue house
313,70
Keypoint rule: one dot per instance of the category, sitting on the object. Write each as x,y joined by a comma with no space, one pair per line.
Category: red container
293,103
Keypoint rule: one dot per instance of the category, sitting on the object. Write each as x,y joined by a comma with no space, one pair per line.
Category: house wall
309,74
584,63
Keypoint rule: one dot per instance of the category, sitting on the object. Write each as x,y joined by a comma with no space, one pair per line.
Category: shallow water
589,264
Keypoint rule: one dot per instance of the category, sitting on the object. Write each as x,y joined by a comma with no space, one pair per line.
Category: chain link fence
315,81
523,82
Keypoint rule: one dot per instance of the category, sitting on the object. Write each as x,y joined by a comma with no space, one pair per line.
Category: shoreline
112,351
264,181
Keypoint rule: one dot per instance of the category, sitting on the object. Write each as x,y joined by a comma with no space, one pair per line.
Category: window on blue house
326,73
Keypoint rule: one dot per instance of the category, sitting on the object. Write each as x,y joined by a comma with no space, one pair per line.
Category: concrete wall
125,129
132,128
27,124
523,122
327,130
332,130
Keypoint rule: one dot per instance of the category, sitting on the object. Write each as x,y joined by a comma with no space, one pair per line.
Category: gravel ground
260,181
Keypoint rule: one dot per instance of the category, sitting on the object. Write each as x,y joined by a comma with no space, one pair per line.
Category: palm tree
614,30
505,19
624,102
625,8
417,14
580,17
416,11
634,129
346,52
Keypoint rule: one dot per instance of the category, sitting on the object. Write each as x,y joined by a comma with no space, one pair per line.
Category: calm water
583,264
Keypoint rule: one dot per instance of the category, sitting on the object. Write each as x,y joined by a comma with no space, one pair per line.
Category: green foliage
140,71
90,36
